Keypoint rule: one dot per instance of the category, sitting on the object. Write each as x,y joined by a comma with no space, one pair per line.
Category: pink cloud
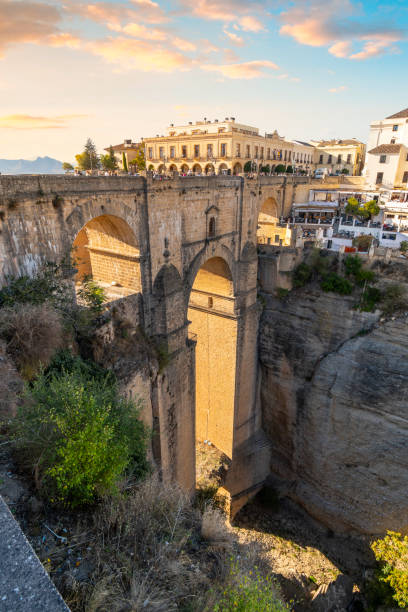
31,122
234,38
146,56
243,70
318,23
251,24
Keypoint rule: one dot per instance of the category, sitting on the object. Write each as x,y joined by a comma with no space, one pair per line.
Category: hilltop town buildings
208,147
340,156
129,148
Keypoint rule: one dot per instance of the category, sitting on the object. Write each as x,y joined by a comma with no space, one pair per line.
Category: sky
121,69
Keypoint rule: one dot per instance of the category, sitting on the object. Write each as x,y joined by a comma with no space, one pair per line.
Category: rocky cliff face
335,405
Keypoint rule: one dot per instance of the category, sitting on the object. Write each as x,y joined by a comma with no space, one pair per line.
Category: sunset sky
115,70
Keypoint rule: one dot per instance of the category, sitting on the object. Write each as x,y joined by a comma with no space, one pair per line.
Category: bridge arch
106,249
213,324
267,220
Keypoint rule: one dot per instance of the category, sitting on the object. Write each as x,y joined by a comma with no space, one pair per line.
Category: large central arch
211,312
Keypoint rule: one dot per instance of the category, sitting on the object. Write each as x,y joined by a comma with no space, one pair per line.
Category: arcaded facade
221,147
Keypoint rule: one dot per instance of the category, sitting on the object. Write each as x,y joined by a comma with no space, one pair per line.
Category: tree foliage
67,167
109,161
392,554
79,436
248,166
139,161
88,159
124,162
363,211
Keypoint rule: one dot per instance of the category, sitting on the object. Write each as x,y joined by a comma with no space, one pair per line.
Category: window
150,153
320,159
211,227
210,302
248,151
392,140
339,159
405,177
329,161
383,159
256,152
262,152
280,154
220,130
196,150
406,159
172,152
277,238
161,152
289,155
395,128
349,158
286,155
209,150
184,151
238,150
268,154
379,178
223,149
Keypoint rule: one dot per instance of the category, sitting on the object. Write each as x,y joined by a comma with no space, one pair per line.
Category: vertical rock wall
335,405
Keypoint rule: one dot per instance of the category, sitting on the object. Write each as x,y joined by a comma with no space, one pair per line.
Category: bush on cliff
78,436
391,553
337,284
33,333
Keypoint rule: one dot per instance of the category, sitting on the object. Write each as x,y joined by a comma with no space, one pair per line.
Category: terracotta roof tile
401,115
386,148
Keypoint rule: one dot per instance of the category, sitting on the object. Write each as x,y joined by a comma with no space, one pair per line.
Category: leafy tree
337,284
109,161
248,166
139,162
266,169
67,167
124,162
404,246
391,553
363,242
345,171
289,170
88,159
280,168
92,295
363,211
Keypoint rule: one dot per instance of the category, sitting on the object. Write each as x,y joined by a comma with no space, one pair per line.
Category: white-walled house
387,152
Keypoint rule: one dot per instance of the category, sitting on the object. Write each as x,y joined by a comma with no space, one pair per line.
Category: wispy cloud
32,122
338,89
337,25
146,56
243,70
234,38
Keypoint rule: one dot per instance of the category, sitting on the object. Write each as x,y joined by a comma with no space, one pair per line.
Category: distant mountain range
41,165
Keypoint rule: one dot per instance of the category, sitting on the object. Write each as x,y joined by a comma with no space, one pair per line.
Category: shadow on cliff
306,556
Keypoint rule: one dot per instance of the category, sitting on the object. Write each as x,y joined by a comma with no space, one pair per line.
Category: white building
387,152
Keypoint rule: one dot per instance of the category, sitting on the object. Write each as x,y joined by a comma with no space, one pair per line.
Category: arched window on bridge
211,227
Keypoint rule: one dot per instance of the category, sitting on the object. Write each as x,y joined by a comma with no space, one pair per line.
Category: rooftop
328,143
401,115
386,148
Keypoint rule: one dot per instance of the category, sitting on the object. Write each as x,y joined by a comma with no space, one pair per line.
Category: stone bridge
189,247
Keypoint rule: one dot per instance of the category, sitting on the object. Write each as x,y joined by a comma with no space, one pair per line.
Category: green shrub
78,436
48,284
302,275
251,592
391,553
337,284
369,299
92,295
404,246
354,267
394,299
363,242
281,293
